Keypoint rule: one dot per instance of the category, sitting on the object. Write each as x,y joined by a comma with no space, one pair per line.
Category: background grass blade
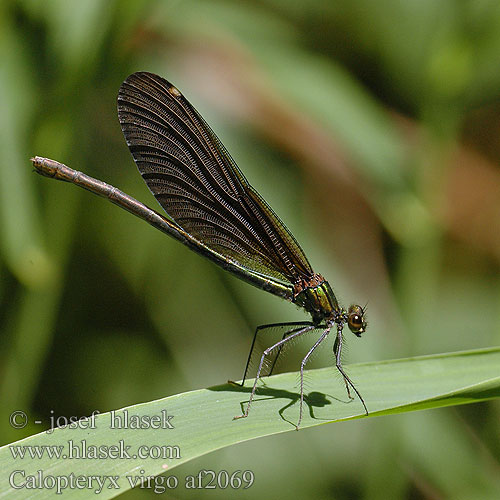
202,419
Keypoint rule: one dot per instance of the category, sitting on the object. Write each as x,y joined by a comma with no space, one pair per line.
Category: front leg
338,358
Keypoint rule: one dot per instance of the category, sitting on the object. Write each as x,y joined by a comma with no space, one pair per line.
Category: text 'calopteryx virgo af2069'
213,209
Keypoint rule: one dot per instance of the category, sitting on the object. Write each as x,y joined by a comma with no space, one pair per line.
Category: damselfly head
356,320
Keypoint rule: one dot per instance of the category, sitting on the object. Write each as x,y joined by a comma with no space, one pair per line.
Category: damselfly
213,210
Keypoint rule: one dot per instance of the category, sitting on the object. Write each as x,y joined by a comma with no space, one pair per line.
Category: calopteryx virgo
214,210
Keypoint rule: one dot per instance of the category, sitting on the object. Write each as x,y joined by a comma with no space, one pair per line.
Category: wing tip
146,77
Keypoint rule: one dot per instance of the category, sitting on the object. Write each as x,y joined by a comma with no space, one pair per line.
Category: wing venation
198,184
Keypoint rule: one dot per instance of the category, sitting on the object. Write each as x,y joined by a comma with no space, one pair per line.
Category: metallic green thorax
317,298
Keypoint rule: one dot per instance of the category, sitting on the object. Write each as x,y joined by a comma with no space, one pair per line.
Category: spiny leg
304,330
285,335
335,347
266,327
338,355
302,365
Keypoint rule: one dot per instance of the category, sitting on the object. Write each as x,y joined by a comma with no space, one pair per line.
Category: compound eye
356,320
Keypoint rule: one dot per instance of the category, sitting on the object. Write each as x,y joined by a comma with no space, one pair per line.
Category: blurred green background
372,128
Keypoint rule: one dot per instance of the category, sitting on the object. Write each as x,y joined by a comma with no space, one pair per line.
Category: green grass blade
202,419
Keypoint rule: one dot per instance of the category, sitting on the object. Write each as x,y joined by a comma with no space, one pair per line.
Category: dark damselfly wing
199,185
